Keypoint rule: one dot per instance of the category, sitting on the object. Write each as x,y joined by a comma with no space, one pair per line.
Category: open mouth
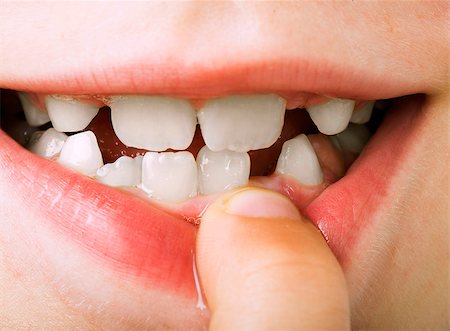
120,124
141,168
122,148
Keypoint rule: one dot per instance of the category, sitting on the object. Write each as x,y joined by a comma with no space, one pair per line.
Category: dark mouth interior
263,162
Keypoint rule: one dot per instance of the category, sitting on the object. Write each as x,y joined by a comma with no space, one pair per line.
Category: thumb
263,266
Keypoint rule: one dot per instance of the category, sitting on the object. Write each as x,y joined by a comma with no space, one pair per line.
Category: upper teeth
169,176
153,123
221,171
242,123
362,115
332,117
68,114
34,116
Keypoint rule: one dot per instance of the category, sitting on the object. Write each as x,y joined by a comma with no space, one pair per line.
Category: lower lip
133,236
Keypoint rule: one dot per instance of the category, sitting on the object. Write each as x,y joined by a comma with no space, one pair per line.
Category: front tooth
298,159
125,171
332,117
170,177
242,123
47,144
354,138
363,115
221,171
81,152
153,122
33,115
68,114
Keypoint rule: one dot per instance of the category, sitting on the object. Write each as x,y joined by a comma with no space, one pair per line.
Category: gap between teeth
231,126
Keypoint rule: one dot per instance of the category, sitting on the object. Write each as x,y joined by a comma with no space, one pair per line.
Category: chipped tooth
47,144
68,114
125,171
33,115
363,115
170,177
299,160
354,138
221,171
154,123
242,123
332,117
81,152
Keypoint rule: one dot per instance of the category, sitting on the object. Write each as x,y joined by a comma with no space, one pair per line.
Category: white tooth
221,171
125,171
242,123
81,152
153,122
170,177
47,144
332,117
68,114
298,159
362,115
34,116
354,138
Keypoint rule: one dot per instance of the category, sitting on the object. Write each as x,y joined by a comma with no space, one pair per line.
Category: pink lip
345,209
133,236
118,228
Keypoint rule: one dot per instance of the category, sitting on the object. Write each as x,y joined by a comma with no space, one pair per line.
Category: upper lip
99,58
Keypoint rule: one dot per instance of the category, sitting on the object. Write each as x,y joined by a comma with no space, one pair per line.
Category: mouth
104,174
142,168
123,154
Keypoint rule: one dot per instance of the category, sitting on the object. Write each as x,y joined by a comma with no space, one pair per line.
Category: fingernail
260,203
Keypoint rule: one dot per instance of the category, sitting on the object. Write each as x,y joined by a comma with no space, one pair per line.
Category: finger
263,266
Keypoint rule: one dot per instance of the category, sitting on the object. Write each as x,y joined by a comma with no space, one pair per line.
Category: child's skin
396,277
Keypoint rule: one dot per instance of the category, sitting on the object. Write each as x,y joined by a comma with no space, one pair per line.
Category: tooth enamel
332,117
125,171
354,138
34,116
48,143
68,114
170,177
221,171
242,123
298,159
81,152
152,122
362,115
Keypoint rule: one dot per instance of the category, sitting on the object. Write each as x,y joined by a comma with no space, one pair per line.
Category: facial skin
397,271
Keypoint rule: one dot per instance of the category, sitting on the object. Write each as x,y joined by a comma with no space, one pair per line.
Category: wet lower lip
118,228
133,236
